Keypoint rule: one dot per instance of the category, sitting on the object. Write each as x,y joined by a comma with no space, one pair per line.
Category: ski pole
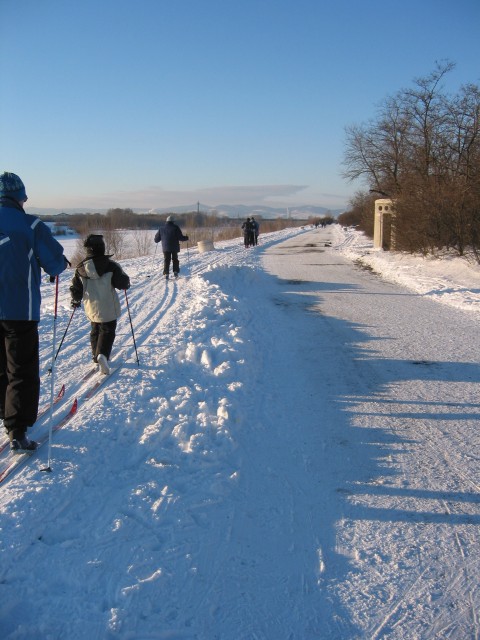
64,335
153,259
52,386
131,327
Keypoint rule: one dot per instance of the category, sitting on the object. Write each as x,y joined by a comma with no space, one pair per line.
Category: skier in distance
248,231
170,236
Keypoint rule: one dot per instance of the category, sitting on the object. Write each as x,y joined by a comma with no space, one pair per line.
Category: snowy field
294,458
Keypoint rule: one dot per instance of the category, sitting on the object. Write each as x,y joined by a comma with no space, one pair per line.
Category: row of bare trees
141,229
423,151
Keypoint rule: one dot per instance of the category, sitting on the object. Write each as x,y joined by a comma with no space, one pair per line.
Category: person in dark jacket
248,233
26,247
256,229
170,236
94,282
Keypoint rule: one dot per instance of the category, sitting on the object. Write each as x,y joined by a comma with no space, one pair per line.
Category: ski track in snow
296,457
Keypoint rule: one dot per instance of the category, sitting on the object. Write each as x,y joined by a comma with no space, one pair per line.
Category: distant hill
228,210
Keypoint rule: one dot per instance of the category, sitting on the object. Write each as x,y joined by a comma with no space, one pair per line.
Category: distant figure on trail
26,247
94,282
256,228
170,236
248,233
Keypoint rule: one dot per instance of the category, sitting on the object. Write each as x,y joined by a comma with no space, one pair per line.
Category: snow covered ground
296,457
445,278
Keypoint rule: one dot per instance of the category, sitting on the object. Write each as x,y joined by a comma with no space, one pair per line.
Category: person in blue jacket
26,246
170,236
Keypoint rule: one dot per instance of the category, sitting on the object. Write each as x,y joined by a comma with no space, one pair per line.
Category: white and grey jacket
94,282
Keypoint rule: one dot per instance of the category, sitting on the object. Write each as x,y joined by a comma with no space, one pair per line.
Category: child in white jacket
95,282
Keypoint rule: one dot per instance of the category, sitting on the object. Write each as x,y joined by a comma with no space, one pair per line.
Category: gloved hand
75,304
186,238
52,278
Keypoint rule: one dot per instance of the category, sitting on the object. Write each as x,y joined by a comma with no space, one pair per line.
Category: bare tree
424,110
423,150
359,213
377,151
115,242
142,241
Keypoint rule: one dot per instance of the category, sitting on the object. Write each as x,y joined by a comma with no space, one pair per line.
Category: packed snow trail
407,374
295,458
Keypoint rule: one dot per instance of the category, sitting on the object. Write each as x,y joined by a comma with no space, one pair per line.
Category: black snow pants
102,337
19,375
170,256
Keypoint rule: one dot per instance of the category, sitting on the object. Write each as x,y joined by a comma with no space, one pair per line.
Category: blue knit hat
11,186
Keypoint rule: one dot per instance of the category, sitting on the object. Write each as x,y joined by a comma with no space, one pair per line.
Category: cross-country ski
14,461
42,412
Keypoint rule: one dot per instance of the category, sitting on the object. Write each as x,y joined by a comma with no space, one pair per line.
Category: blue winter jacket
170,235
26,247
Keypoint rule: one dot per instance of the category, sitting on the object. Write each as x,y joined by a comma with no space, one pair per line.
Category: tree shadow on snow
346,451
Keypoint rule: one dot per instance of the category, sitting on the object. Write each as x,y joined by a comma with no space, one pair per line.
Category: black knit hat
95,245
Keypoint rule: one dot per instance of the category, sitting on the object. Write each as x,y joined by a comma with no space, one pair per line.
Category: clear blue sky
153,103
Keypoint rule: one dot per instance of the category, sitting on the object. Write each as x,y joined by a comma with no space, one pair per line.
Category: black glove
186,238
52,278
75,304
